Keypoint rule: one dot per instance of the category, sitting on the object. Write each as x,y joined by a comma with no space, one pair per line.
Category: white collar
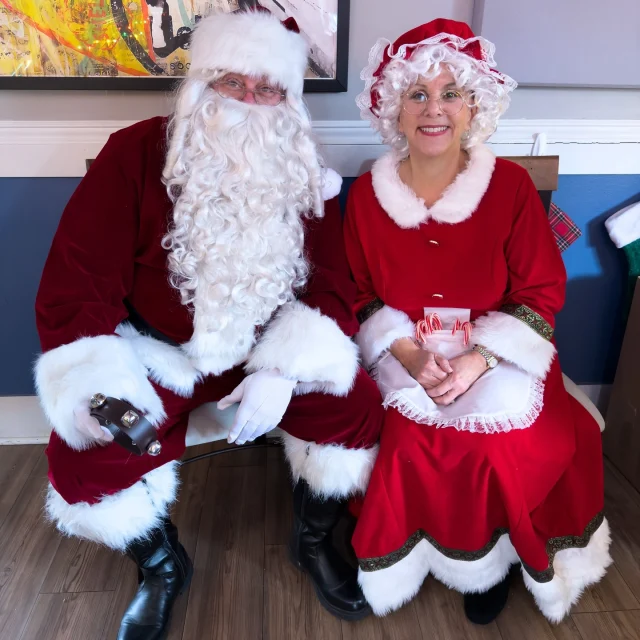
459,200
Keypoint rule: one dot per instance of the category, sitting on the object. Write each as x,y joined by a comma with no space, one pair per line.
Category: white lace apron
502,399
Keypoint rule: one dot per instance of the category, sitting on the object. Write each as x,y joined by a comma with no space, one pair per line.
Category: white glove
89,426
264,397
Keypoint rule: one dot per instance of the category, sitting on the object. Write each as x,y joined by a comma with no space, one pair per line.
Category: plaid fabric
564,229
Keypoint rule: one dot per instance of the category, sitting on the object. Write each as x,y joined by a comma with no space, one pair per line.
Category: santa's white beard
241,188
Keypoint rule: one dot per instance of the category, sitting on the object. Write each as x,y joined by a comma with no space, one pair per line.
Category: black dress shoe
484,608
334,579
164,571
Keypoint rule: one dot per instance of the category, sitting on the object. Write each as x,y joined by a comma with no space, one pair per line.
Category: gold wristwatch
492,361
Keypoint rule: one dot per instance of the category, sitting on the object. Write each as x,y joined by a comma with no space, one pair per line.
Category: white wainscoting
35,149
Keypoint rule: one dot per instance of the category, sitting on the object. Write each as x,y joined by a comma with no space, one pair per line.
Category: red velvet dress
463,501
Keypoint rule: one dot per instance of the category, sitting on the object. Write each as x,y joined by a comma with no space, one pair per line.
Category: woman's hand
426,368
467,368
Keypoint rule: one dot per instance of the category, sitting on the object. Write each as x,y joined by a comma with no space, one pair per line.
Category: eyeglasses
264,94
415,102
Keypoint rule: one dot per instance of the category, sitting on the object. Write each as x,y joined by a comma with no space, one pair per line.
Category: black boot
334,579
164,571
483,608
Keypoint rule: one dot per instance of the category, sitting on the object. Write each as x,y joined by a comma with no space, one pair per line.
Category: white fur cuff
72,373
308,347
330,470
511,339
121,518
380,331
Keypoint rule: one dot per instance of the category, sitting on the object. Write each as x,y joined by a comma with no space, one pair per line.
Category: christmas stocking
624,230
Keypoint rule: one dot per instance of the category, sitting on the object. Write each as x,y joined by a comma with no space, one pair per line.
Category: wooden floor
234,514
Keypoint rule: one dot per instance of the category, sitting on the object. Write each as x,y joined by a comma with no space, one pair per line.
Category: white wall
370,19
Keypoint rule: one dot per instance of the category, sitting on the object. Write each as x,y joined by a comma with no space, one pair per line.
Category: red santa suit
512,471
107,257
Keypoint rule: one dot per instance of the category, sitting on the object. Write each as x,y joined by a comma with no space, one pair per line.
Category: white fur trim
250,43
331,185
390,588
458,202
121,518
574,569
624,226
309,347
330,470
168,366
71,374
380,331
513,340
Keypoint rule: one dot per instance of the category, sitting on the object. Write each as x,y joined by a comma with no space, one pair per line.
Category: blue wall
591,325
589,328
30,209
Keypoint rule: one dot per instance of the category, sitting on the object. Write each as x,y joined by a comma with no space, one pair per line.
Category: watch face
493,362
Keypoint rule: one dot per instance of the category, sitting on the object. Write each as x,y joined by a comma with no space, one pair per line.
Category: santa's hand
264,397
89,426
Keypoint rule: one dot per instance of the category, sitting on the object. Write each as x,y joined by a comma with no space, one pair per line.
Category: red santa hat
253,43
456,35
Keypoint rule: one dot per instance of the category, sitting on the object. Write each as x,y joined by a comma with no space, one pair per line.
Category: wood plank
543,170
291,608
618,625
610,594
16,464
29,544
121,597
186,516
226,598
522,620
279,499
441,615
621,438
400,625
622,508
64,616
80,566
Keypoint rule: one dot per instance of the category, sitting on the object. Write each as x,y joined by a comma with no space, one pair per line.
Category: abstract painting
144,44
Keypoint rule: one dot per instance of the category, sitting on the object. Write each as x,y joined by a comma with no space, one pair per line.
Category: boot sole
347,616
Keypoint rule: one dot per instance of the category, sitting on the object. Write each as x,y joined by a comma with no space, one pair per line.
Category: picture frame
115,44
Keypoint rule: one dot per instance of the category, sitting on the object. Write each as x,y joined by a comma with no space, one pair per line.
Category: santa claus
197,262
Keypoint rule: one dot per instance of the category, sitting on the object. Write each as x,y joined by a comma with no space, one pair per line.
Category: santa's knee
112,518
337,460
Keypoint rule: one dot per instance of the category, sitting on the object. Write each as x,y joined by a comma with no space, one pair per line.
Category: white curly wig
490,89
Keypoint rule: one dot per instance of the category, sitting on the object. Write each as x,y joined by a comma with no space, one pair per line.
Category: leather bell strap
128,426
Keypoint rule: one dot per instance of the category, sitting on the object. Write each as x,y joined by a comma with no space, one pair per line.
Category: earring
466,135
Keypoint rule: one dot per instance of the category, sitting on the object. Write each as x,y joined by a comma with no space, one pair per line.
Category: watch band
492,361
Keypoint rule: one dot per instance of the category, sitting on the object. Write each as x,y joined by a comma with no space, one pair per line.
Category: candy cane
456,327
433,319
422,331
466,327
